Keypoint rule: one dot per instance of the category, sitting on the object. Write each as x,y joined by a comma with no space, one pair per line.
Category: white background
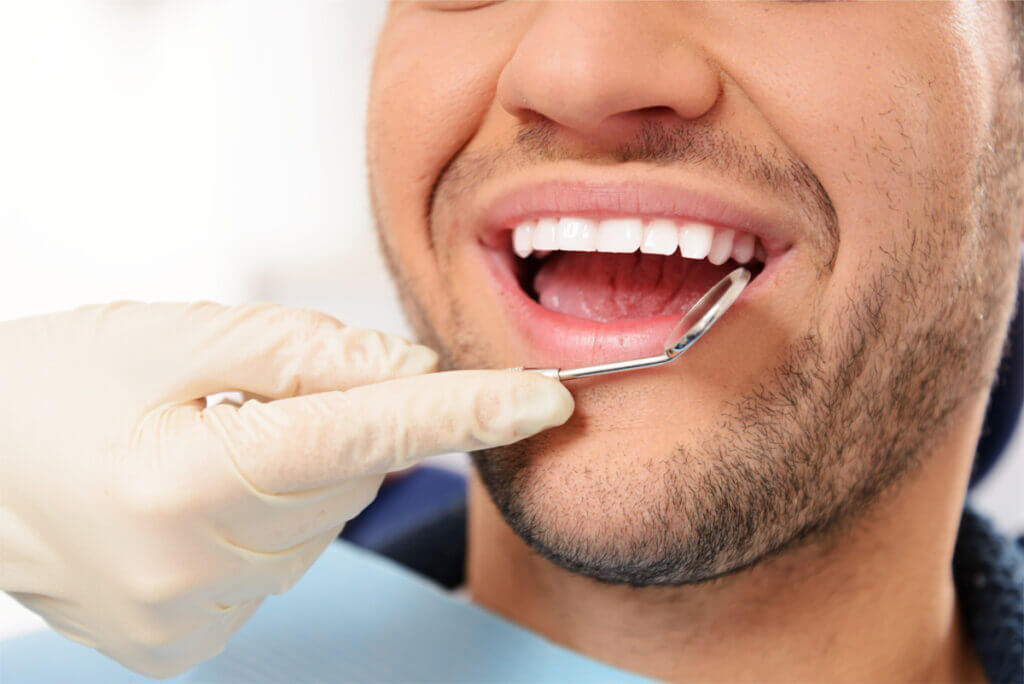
199,149
187,149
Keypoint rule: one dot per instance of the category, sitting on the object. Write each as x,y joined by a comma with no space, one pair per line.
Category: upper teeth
694,240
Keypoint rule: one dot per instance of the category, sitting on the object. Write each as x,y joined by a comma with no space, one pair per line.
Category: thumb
317,440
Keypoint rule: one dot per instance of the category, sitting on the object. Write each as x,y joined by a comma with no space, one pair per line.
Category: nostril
658,114
652,111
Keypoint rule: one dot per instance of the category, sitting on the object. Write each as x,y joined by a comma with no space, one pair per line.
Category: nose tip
602,71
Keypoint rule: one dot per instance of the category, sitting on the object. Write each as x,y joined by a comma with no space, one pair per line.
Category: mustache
691,146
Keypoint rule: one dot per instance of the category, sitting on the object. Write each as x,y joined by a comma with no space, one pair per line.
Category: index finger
317,440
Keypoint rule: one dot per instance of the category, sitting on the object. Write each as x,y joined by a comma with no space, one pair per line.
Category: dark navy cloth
419,521
988,570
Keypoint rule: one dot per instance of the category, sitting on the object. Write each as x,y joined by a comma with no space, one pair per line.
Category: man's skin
782,503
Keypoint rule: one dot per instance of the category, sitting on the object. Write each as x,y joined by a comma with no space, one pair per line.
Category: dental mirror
694,323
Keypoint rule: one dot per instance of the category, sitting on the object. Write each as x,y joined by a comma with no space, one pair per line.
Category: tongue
609,287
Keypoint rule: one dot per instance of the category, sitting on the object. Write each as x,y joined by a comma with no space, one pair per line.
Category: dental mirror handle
601,368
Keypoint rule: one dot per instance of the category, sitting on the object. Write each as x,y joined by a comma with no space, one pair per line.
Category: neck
875,602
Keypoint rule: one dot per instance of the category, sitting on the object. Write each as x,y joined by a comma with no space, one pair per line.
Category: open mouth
621,269
590,271
588,290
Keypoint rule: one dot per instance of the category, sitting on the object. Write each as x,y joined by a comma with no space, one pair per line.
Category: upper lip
586,194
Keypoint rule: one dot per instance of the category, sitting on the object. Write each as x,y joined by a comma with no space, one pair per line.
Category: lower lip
553,339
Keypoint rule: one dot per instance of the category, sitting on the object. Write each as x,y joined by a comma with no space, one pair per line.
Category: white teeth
743,248
620,235
545,235
721,247
577,234
522,240
695,240
660,237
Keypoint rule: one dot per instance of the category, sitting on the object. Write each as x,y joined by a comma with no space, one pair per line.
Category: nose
604,69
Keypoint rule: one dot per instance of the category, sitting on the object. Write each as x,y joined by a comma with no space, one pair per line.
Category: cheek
889,121
434,80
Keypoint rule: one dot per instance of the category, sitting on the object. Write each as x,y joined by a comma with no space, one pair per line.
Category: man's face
862,151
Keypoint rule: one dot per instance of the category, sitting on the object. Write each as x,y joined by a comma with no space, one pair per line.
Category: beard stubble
837,424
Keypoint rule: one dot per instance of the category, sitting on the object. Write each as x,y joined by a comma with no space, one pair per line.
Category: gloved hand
139,521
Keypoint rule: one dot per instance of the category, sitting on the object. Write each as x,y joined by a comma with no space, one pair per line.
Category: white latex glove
138,521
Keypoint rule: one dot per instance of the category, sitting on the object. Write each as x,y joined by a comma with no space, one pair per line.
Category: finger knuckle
154,589
364,493
305,324
487,411
291,574
163,654
356,495
364,347
155,667
152,637
305,337
287,583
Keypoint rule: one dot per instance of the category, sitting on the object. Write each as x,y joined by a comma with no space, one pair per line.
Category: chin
612,498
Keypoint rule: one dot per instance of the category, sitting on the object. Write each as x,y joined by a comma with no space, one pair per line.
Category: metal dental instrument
694,323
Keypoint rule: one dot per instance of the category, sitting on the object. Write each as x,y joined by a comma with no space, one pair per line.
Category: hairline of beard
732,533
936,400
1007,138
